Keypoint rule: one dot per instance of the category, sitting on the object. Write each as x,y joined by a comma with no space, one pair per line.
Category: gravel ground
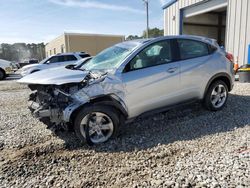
185,147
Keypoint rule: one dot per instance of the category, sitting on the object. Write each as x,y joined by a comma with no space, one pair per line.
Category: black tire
2,74
87,110
208,97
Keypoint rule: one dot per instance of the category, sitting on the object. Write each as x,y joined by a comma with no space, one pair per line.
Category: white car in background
5,68
58,60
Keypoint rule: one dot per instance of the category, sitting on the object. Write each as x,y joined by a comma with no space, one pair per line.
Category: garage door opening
208,19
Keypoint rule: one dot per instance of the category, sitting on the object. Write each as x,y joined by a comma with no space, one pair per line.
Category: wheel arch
106,100
35,70
220,76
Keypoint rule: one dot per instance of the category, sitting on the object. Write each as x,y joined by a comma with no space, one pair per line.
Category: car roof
71,53
192,37
140,42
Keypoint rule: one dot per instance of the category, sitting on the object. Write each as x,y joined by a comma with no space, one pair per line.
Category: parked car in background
6,67
53,61
29,62
131,79
15,66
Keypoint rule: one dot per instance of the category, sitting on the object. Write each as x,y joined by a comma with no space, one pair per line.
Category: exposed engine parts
54,104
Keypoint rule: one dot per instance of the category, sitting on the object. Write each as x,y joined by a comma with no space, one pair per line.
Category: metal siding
238,29
172,27
231,28
227,23
247,30
238,25
242,35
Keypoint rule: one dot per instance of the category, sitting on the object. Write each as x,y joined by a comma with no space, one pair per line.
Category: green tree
155,32
133,37
21,51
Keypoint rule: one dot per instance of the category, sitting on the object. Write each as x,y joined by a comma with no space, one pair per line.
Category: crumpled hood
54,76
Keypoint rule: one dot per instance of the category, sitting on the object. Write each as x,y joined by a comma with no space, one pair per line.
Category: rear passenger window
192,49
64,58
212,49
69,58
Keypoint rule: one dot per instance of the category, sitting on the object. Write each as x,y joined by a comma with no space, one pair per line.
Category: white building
228,21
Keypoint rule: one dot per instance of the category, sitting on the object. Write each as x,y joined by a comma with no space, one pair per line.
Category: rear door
152,78
195,64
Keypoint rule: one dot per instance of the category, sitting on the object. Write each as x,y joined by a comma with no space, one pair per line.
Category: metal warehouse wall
172,16
237,29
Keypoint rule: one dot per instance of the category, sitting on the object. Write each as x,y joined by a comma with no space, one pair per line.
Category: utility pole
147,30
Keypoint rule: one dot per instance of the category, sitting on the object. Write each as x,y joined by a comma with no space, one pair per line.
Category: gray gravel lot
185,147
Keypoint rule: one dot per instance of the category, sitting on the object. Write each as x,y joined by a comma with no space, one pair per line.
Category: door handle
172,70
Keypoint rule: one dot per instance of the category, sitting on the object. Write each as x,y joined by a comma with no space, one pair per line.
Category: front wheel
2,74
216,96
96,124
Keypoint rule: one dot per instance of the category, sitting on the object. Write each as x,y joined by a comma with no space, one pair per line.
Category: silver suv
130,79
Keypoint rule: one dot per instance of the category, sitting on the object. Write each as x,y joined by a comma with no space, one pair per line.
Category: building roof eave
169,3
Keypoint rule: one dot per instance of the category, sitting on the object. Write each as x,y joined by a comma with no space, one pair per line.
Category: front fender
109,100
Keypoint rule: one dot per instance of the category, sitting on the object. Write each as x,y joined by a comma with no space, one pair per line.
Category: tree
133,37
155,32
21,51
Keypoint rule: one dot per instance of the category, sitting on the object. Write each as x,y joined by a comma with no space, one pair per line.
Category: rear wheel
96,124
216,96
2,74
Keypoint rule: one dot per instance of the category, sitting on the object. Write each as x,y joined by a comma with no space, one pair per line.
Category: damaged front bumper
56,104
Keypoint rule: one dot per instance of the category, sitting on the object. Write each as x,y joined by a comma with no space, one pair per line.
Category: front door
151,79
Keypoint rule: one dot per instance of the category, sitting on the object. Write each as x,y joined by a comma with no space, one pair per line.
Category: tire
2,74
216,96
96,124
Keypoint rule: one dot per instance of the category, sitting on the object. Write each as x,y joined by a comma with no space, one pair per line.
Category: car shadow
183,123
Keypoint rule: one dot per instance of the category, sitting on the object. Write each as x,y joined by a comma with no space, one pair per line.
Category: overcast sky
42,20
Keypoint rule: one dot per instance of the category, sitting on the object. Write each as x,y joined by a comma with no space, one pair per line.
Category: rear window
70,58
64,58
192,49
84,55
212,49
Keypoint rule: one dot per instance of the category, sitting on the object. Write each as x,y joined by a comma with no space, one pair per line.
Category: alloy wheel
218,96
100,127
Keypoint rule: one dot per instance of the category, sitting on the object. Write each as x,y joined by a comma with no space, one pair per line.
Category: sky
34,21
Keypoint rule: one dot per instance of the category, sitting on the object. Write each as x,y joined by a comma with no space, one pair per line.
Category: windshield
112,57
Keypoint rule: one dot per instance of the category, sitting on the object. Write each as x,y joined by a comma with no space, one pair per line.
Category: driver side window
54,59
153,55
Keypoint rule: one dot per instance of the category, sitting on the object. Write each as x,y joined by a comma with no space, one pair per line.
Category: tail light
230,57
